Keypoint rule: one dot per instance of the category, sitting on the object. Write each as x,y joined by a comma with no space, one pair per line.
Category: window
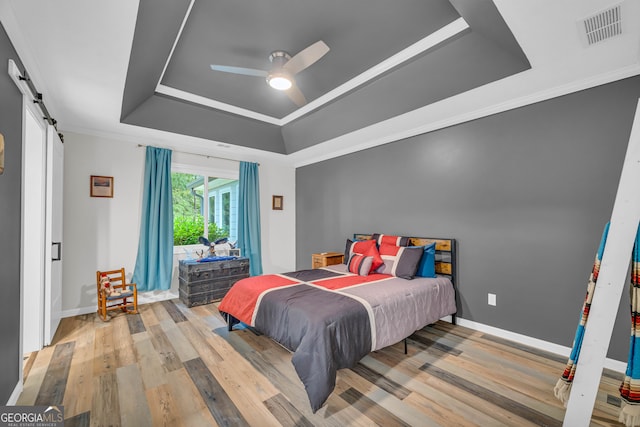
194,199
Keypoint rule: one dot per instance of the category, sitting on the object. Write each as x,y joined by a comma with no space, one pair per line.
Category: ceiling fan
284,67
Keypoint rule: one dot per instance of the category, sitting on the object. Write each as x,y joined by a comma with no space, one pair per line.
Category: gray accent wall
526,193
10,223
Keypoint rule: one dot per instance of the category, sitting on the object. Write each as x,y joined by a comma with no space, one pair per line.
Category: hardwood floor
175,366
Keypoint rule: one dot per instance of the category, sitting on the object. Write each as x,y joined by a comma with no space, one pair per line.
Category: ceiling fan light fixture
284,68
279,81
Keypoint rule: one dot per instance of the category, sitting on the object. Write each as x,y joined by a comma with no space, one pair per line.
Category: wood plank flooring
176,366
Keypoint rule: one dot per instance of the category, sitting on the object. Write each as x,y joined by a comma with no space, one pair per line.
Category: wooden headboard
446,256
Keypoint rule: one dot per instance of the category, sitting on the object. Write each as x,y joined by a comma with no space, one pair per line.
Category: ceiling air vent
602,26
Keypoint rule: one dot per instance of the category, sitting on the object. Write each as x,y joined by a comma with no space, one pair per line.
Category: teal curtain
154,262
249,216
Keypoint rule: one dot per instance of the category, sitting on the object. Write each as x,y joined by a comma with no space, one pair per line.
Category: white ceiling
77,53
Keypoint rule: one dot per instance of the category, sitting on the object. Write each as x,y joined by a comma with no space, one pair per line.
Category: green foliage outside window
187,230
226,209
184,202
188,223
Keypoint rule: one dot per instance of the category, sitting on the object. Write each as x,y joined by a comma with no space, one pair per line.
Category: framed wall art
101,186
277,203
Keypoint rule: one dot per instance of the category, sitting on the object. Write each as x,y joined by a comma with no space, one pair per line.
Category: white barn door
33,230
41,233
53,244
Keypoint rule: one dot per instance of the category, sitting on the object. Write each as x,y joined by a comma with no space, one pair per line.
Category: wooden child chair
114,293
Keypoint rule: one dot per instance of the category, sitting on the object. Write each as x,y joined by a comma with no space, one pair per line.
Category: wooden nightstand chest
327,258
205,282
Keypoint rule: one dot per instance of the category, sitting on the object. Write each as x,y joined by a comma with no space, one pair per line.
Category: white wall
101,233
278,227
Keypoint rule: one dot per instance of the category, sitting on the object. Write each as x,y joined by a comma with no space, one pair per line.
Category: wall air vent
601,26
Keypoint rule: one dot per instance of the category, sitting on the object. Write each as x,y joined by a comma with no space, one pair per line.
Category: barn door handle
59,245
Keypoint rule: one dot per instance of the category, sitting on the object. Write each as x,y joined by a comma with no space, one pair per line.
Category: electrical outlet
491,299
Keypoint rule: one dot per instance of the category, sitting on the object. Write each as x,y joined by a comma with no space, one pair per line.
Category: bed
332,317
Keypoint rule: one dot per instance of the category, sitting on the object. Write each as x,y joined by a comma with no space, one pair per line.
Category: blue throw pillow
427,266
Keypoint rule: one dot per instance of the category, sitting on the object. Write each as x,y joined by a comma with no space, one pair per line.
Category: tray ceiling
385,59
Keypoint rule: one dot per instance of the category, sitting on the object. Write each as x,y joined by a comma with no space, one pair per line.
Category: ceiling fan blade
240,70
306,57
296,95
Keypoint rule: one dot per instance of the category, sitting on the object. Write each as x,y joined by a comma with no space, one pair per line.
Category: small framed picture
277,203
101,186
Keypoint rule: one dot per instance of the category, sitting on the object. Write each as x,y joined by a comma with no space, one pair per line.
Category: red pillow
360,264
366,248
390,240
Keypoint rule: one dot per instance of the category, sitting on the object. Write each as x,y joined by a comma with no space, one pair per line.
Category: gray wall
526,193
10,223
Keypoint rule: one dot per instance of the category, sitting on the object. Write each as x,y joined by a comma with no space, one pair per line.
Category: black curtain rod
38,100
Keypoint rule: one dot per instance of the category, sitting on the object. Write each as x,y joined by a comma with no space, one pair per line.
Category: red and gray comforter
330,319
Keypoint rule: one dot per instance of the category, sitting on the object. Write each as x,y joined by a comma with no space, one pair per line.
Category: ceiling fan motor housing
278,58
279,78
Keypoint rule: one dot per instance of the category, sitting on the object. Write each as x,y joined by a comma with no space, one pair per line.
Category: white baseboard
143,298
448,319
15,395
78,311
614,365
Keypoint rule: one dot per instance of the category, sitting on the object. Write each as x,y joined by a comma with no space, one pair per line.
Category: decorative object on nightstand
114,293
324,259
